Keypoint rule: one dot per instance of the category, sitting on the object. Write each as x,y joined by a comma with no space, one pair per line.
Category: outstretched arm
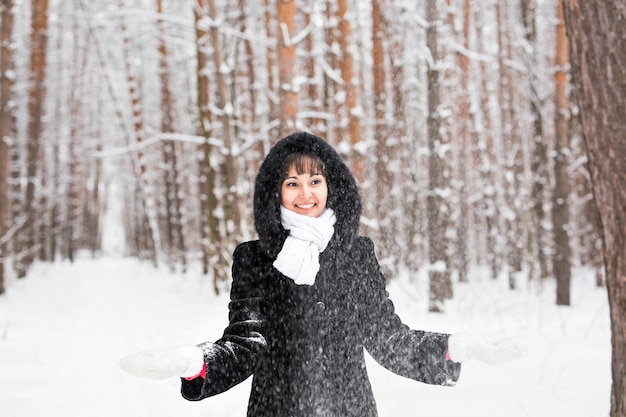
210,368
415,354
232,359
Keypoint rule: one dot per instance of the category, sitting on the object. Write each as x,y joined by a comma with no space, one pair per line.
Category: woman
307,298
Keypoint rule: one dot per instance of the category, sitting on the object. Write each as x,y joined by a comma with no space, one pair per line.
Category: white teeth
305,206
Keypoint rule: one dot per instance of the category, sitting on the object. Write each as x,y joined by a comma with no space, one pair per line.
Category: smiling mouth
305,206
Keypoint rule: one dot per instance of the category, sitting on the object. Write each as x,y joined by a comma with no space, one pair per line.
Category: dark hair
303,162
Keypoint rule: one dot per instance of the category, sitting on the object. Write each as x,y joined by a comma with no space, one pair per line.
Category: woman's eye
291,184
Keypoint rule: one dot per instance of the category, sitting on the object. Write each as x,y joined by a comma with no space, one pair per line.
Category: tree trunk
226,110
313,95
351,114
465,142
270,68
7,124
226,107
93,228
72,198
36,109
539,159
384,152
209,222
486,146
560,207
333,133
148,239
439,272
510,147
405,225
288,96
173,203
596,34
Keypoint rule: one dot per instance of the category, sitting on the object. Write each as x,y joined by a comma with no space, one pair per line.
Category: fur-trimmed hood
343,194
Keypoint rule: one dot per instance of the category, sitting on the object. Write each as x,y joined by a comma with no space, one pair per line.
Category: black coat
304,344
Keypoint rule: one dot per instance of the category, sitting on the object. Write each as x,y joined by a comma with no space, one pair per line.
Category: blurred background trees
137,126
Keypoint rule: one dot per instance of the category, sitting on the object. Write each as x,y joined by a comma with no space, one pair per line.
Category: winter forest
143,123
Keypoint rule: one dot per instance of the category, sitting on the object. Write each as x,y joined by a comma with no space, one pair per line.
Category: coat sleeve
232,359
415,354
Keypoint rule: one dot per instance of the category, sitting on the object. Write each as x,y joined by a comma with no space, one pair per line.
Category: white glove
182,361
463,347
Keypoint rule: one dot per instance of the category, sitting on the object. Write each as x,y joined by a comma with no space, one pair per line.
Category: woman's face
304,193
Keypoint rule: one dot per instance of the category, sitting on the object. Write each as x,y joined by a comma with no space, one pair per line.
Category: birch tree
147,231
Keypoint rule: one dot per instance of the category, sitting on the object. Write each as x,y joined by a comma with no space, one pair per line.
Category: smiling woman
307,299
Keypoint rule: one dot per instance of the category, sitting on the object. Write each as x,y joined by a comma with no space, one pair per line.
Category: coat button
320,306
319,360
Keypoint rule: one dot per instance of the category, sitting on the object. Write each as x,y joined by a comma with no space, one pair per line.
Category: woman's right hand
463,347
182,361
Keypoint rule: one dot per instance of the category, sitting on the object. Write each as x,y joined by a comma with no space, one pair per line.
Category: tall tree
464,140
288,95
560,207
539,157
313,92
439,271
330,83
247,73
210,235
7,123
75,176
510,144
174,238
226,110
350,118
598,56
147,230
400,147
36,111
168,152
270,68
384,149
487,148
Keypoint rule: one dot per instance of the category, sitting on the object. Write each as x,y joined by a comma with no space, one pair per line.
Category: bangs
304,164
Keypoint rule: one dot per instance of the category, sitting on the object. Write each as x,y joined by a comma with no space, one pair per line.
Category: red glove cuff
201,374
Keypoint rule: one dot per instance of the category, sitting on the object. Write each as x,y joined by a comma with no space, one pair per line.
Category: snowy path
64,328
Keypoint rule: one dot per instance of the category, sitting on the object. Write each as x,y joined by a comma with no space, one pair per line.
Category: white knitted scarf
308,237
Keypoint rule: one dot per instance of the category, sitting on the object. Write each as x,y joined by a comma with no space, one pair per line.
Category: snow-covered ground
64,328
